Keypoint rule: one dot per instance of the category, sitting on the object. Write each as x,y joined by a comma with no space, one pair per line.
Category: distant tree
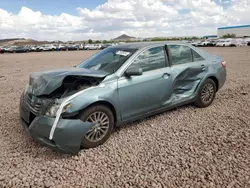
158,39
175,38
228,35
90,41
194,38
104,42
97,42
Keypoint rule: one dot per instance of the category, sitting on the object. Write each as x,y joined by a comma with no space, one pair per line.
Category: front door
144,93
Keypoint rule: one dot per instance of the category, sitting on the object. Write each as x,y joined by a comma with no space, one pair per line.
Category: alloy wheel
207,93
101,127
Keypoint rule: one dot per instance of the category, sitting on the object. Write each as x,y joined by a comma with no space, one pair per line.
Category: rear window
196,56
183,54
180,54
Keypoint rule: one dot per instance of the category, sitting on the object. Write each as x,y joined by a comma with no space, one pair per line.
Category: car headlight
52,109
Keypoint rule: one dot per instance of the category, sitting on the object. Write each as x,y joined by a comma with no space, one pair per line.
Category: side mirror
133,71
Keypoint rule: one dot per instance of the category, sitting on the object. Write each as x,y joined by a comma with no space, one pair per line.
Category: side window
180,54
196,56
151,59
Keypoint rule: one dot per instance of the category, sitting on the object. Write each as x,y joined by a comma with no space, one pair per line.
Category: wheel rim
99,131
207,93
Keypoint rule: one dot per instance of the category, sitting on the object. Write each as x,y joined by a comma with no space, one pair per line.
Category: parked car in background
21,49
232,42
62,47
47,47
212,43
106,46
247,41
81,46
204,43
34,48
73,108
238,42
10,49
2,50
224,42
73,47
92,47
196,43
42,48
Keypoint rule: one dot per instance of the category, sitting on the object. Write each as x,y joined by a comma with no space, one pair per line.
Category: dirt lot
186,147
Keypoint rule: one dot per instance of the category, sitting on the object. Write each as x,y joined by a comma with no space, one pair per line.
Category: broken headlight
52,109
26,88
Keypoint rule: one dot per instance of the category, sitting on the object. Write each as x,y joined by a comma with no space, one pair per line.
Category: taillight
223,63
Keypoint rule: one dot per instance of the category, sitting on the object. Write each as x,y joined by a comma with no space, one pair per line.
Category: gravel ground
185,147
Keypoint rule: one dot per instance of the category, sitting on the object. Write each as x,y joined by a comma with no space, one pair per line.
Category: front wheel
103,118
206,94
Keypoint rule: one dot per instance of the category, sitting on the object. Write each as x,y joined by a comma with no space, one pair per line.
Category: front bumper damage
67,136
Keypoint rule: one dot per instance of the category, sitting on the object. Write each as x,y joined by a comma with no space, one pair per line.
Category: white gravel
185,147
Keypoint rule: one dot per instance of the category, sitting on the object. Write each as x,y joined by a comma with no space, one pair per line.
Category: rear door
187,69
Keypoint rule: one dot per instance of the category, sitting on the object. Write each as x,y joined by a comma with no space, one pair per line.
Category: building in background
239,31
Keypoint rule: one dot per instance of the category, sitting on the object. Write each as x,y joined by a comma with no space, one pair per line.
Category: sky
106,19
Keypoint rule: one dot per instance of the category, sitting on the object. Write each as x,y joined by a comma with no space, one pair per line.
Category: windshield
108,60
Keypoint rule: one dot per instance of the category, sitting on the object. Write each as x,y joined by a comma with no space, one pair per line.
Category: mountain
124,38
23,41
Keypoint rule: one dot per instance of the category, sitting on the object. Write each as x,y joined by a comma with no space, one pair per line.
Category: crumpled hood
45,82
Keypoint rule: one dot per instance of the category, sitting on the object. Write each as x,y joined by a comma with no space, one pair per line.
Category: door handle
166,75
203,67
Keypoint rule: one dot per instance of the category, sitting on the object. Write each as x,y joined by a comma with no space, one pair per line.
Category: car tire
206,94
91,140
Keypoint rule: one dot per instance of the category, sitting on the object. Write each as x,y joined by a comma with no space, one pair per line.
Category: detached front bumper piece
67,136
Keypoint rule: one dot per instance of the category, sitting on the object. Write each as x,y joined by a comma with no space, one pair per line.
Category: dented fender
105,92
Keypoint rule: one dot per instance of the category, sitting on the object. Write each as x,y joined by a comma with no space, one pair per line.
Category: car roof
140,45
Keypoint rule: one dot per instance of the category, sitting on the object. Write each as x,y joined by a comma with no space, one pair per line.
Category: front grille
33,105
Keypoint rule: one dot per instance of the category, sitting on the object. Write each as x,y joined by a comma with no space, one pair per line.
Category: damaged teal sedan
78,107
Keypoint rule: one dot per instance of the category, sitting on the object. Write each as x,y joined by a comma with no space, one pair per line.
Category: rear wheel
206,94
103,118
